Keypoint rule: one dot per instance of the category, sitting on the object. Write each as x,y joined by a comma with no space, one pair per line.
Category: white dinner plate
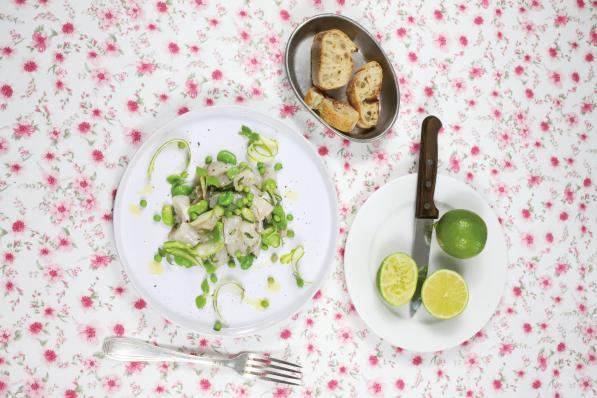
307,193
385,224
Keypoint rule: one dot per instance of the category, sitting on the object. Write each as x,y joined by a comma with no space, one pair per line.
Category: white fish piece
185,234
232,238
261,208
181,205
220,258
205,222
246,178
250,236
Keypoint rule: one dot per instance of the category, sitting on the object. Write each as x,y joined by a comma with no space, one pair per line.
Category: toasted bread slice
331,59
337,114
363,93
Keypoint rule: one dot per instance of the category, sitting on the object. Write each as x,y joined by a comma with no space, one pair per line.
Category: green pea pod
168,215
205,286
247,214
212,181
185,190
183,261
227,157
246,261
198,208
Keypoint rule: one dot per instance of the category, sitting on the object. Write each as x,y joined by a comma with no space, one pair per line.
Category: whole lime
461,233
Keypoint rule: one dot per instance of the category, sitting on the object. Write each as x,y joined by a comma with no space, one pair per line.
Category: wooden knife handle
425,207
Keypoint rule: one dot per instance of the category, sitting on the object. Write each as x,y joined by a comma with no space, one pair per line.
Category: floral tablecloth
84,83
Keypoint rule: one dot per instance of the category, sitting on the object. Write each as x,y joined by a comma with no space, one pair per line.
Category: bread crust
363,92
317,56
337,114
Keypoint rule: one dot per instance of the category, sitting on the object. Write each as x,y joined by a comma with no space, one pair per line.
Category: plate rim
486,318
243,111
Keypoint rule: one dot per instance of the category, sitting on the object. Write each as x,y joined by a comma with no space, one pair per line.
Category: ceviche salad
224,213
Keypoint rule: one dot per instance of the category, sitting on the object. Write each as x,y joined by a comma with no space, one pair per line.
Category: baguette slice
337,114
331,59
363,93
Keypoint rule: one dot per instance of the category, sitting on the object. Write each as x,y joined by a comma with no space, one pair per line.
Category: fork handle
128,349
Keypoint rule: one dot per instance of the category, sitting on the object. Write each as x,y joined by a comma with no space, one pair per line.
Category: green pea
183,262
218,326
231,263
264,246
213,278
143,203
162,252
276,218
168,215
208,159
273,258
289,217
264,303
278,166
290,233
300,282
182,145
157,218
227,157
200,301
225,198
184,174
247,189
269,185
270,280
250,196
209,267
236,212
157,258
228,213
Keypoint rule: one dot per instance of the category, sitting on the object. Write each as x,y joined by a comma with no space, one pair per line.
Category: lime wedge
397,279
444,294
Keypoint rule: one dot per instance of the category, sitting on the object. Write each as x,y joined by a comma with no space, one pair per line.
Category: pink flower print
454,164
375,388
140,304
476,72
585,383
285,334
441,41
380,157
6,91
53,273
34,388
135,367
288,110
97,155
68,28
145,68
50,356
173,48
39,42
60,211
30,66
107,18
91,364
214,22
101,77
284,15
501,189
3,145
135,136
118,329
399,384
256,92
89,203
192,88
244,36
132,106
161,6
332,384
111,383
23,130
281,392
459,85
345,335
472,361
253,63
88,333
416,360
204,384
216,74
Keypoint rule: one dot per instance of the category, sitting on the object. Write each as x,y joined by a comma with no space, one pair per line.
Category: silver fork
247,364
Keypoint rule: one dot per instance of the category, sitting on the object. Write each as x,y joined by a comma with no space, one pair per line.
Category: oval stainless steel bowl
298,70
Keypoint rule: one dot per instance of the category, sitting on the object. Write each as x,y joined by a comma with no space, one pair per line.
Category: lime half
444,294
397,279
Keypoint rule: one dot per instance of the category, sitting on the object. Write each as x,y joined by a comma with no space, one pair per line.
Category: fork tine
270,359
265,371
260,366
260,375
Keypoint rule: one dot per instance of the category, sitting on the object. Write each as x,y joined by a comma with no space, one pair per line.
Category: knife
425,212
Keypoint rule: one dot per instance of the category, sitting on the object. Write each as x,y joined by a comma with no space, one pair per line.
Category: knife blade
425,211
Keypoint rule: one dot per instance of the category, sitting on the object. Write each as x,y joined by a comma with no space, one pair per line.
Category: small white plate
307,193
385,224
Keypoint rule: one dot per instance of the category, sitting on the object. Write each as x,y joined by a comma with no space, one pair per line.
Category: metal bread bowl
298,70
